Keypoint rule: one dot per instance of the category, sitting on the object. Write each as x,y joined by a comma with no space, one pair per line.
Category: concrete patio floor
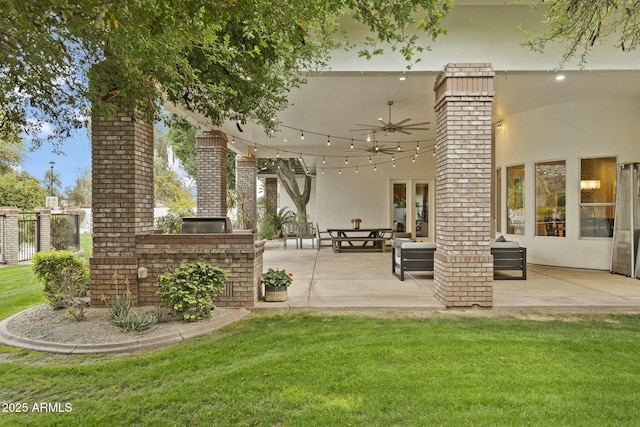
323,280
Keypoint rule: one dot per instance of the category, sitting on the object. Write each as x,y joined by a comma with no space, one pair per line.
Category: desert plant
64,275
190,288
121,315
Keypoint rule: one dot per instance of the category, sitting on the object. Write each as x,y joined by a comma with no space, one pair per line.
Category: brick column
44,221
122,178
211,173
271,195
246,185
9,245
463,267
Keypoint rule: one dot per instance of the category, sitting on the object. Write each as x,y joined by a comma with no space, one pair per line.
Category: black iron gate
28,235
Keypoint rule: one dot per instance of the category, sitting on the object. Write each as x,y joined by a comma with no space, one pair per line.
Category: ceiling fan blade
403,121
362,124
383,122
412,128
421,123
403,131
367,129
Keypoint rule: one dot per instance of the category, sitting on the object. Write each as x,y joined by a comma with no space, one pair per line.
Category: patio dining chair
290,231
306,230
322,236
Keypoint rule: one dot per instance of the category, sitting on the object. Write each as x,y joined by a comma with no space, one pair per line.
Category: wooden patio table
359,239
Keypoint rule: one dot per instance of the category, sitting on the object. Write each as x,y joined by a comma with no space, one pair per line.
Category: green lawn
322,370
19,289
314,370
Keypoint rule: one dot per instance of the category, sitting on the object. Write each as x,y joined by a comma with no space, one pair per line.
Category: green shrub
63,232
190,288
64,275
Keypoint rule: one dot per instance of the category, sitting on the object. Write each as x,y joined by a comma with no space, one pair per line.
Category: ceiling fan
390,127
375,148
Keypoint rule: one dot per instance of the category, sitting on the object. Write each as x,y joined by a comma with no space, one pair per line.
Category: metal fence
28,235
65,231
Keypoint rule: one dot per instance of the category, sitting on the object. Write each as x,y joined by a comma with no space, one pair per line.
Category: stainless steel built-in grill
206,224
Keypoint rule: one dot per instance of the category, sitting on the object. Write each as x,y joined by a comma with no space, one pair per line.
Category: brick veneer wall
211,175
239,253
463,266
44,216
246,180
122,188
9,236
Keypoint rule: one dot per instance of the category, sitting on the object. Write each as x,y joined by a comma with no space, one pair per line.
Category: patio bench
509,256
408,255
379,244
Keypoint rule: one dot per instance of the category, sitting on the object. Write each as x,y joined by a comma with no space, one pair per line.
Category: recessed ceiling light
560,77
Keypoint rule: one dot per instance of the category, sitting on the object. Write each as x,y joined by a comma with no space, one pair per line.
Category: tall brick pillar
122,177
271,195
246,185
211,173
44,216
9,243
463,267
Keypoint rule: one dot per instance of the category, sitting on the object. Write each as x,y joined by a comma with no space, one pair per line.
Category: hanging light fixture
351,144
399,149
301,134
346,160
323,160
328,141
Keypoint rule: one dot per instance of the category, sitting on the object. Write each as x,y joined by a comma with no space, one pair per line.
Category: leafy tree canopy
579,24
21,190
225,59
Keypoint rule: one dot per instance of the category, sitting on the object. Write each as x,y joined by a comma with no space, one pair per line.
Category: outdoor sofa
409,255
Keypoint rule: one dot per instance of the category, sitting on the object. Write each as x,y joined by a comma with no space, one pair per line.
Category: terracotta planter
275,294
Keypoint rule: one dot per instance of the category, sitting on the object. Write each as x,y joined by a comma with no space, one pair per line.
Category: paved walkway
324,280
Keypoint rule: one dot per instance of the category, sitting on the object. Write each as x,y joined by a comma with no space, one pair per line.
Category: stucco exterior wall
569,131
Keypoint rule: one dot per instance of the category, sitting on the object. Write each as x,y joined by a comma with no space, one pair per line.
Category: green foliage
277,278
80,194
64,274
171,223
189,290
222,59
11,152
63,232
579,24
21,190
169,190
121,315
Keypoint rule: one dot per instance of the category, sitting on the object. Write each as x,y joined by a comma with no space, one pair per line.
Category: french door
412,207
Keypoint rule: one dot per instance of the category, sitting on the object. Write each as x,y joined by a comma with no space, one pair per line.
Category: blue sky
77,156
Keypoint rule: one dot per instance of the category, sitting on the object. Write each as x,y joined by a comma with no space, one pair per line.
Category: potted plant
275,284
356,223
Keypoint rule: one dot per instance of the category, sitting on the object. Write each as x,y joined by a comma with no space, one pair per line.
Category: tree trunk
289,182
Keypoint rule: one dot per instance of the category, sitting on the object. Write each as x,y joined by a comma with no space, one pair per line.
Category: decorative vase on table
275,284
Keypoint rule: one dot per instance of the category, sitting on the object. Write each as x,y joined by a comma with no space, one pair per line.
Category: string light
369,159
233,140
356,169
394,163
417,146
278,153
352,144
322,171
399,149
323,160
339,171
328,141
301,135
255,147
375,167
393,157
346,160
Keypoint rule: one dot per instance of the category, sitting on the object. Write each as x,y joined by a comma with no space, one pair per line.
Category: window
550,199
515,200
597,196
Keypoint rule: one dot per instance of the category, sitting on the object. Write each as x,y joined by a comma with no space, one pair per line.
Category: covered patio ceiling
332,104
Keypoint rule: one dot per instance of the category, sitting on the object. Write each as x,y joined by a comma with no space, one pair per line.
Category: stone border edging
10,339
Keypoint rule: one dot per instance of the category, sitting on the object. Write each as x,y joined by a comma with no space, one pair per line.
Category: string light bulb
351,144
233,140
356,169
369,159
322,171
301,135
346,160
278,153
328,141
399,149
417,146
375,167
323,160
339,171
255,147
